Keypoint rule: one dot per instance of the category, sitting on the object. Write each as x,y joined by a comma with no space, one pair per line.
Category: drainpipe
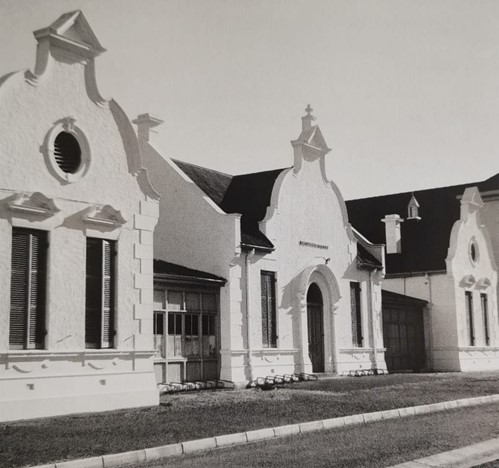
247,262
371,313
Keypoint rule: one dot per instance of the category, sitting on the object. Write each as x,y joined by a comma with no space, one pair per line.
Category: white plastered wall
306,222
445,293
192,231
479,277
65,377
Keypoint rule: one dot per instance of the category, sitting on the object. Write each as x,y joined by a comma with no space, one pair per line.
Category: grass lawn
196,415
379,444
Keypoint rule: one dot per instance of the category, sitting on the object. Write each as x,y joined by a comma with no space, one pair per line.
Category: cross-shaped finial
309,109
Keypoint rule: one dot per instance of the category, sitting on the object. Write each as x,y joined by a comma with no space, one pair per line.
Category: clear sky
406,92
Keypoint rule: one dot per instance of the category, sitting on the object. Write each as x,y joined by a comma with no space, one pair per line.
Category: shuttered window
99,293
357,339
27,289
469,317
269,323
485,314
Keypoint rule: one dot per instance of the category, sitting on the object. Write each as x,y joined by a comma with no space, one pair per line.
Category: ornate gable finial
307,119
71,32
68,123
471,202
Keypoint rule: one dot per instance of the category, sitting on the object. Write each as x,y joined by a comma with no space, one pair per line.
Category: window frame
103,316
356,314
66,125
182,312
485,316
470,325
40,326
268,309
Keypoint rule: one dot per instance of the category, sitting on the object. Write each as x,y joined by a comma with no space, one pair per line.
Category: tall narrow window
99,296
485,314
357,339
27,289
269,322
469,317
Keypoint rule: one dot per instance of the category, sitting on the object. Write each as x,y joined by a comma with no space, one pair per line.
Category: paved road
379,444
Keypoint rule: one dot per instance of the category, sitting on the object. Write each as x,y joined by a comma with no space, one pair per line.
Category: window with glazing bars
269,322
357,338
485,314
27,289
99,293
469,317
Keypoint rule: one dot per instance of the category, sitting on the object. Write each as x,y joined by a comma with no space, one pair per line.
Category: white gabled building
77,213
445,253
302,290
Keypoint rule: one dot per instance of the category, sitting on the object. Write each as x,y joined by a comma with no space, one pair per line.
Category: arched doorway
315,319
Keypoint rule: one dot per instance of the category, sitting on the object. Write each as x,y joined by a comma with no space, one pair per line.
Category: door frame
325,279
315,322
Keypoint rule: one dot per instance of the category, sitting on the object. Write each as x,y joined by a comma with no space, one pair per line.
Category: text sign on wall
311,244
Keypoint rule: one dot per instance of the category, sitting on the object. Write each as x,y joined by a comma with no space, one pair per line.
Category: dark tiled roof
389,296
366,259
248,195
173,272
215,184
424,242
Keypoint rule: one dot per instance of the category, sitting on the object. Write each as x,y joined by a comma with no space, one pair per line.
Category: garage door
403,335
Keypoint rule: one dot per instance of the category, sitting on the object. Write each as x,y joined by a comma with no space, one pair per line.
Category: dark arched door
315,327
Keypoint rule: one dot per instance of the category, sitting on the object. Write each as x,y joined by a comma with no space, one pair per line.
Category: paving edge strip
227,440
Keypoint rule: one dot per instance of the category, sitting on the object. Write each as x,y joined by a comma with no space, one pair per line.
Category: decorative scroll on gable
483,283
33,204
468,280
103,216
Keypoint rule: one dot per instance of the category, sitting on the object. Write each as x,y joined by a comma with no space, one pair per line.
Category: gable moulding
32,204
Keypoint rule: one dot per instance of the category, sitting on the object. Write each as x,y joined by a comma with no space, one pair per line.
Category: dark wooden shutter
485,313
27,289
269,322
108,294
93,290
357,338
469,317
99,294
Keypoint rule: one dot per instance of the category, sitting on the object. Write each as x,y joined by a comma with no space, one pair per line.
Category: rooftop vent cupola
145,123
393,233
413,209
310,146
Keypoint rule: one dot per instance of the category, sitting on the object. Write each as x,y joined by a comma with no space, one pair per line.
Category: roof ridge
202,167
263,172
465,184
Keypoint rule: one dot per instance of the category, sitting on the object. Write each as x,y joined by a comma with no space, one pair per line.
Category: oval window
473,252
67,153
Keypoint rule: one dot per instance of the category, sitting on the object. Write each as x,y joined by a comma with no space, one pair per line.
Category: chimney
392,233
145,122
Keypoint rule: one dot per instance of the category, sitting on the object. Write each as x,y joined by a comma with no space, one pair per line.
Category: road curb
226,440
